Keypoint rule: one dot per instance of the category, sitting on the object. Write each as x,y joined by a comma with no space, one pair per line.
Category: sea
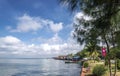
37,67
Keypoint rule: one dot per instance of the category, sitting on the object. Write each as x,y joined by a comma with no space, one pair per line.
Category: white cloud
9,40
14,46
28,23
51,46
53,40
81,15
56,27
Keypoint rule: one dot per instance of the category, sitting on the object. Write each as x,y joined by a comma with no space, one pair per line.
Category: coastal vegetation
86,64
99,70
102,27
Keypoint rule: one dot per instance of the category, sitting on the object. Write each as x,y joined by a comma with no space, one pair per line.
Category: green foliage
86,64
106,62
115,52
117,37
98,59
99,70
70,55
83,53
104,24
118,54
118,64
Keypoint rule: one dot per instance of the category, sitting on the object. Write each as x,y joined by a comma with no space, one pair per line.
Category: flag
103,51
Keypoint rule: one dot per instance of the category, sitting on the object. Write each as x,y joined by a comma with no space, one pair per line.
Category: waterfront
37,67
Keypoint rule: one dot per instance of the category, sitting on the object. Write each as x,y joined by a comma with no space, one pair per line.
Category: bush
97,59
118,64
106,62
85,64
99,70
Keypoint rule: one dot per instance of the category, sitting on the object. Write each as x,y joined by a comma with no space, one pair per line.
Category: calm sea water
37,67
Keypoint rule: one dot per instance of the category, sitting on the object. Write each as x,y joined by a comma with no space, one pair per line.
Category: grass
92,65
117,73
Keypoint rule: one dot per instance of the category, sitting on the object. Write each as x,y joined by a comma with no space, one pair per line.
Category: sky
36,28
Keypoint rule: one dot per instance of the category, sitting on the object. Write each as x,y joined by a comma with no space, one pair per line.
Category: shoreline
83,71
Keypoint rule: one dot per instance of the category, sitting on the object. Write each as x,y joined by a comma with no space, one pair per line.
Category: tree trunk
109,63
113,43
115,67
110,70
94,60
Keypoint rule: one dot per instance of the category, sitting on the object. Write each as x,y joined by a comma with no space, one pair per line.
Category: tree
84,53
92,48
105,18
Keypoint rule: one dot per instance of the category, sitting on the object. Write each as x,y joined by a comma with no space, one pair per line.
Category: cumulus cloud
50,46
53,40
56,27
81,15
12,45
9,40
26,23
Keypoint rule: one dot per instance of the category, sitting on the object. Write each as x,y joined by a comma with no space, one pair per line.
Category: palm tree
92,48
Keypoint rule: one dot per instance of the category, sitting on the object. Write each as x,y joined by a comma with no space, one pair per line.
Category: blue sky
35,28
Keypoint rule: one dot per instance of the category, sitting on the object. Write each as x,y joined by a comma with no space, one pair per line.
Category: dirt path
83,72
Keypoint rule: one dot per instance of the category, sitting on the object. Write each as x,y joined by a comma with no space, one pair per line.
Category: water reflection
37,67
